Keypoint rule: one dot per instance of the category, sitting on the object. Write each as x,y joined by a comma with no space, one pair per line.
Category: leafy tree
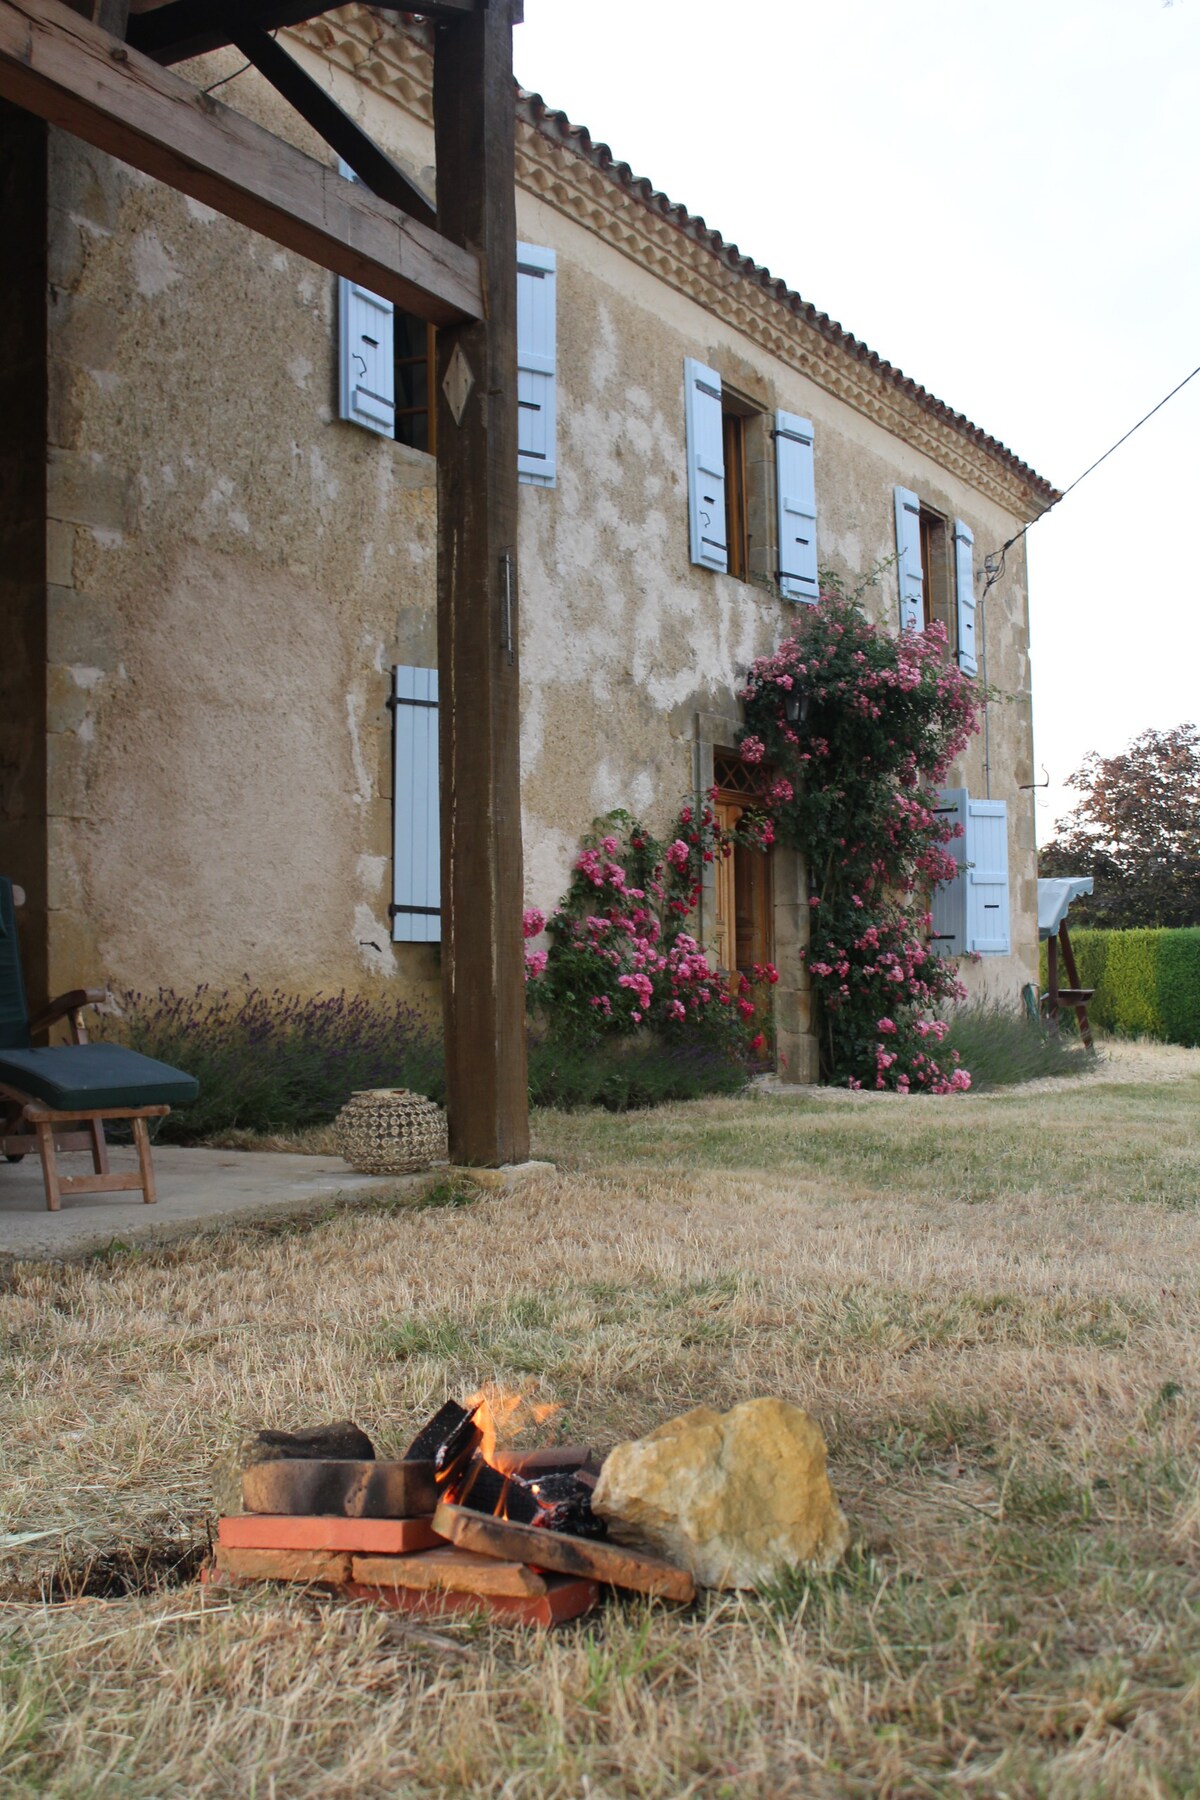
1136,831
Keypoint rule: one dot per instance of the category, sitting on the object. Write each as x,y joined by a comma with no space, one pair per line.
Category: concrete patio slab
198,1190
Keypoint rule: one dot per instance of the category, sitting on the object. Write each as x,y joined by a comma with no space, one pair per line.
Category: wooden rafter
58,65
342,133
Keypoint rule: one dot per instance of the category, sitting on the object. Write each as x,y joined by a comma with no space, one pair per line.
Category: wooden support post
24,528
1052,981
1085,1028
478,615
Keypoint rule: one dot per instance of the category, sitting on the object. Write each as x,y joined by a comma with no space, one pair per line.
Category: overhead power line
994,564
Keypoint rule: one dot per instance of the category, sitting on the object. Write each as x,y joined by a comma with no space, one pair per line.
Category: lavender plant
271,1061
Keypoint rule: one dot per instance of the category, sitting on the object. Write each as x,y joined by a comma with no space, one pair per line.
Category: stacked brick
376,1531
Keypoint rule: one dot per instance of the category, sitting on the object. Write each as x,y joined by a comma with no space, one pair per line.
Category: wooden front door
742,927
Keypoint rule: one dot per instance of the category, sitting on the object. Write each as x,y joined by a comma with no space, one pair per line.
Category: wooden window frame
428,412
938,591
748,549
737,525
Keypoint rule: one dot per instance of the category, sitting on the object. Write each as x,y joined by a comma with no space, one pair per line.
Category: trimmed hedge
1147,982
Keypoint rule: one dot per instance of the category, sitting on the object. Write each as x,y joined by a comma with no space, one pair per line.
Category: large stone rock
731,1496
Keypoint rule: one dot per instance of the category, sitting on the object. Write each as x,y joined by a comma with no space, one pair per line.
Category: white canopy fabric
1054,899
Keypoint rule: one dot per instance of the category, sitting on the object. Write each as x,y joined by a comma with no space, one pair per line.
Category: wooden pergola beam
58,65
172,30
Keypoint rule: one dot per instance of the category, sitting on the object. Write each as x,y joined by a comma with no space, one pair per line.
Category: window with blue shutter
366,358
795,486
970,913
706,465
964,570
416,842
908,561
987,877
536,365
949,905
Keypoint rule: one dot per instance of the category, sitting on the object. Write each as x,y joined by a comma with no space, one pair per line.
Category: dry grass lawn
991,1305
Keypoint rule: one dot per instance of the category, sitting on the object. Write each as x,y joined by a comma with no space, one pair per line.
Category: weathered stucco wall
237,570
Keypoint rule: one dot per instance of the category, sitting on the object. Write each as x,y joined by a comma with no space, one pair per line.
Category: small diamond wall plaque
458,383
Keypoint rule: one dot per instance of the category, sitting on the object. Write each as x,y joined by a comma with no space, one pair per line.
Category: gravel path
1125,1059
1117,1059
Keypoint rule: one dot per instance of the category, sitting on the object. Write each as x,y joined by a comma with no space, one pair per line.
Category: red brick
326,1531
565,1598
460,1570
282,1565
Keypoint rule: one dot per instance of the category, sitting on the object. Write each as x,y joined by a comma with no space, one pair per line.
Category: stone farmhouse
240,710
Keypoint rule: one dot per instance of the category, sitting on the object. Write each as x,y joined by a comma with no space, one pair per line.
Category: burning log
492,1492
547,1488
443,1438
572,1459
449,1441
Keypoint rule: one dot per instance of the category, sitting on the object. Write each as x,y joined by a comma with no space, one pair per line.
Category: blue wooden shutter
796,486
366,358
987,877
964,569
908,563
706,465
949,904
366,352
416,844
536,365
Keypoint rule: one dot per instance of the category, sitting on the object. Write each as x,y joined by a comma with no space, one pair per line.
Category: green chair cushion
83,1077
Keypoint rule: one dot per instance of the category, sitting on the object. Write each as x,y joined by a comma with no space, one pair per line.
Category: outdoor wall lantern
795,705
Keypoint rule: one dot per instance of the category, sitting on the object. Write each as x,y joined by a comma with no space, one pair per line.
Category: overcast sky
1000,197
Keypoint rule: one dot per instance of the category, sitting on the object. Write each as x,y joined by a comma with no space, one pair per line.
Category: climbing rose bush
854,787
621,960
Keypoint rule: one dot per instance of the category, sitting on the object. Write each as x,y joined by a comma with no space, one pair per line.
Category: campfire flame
475,1466
502,1417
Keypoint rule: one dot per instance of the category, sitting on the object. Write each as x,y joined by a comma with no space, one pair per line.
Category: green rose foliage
622,961
852,783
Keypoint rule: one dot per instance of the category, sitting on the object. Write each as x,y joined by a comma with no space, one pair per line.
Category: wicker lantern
390,1131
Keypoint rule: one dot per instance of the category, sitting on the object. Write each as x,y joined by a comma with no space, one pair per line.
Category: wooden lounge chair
77,1085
